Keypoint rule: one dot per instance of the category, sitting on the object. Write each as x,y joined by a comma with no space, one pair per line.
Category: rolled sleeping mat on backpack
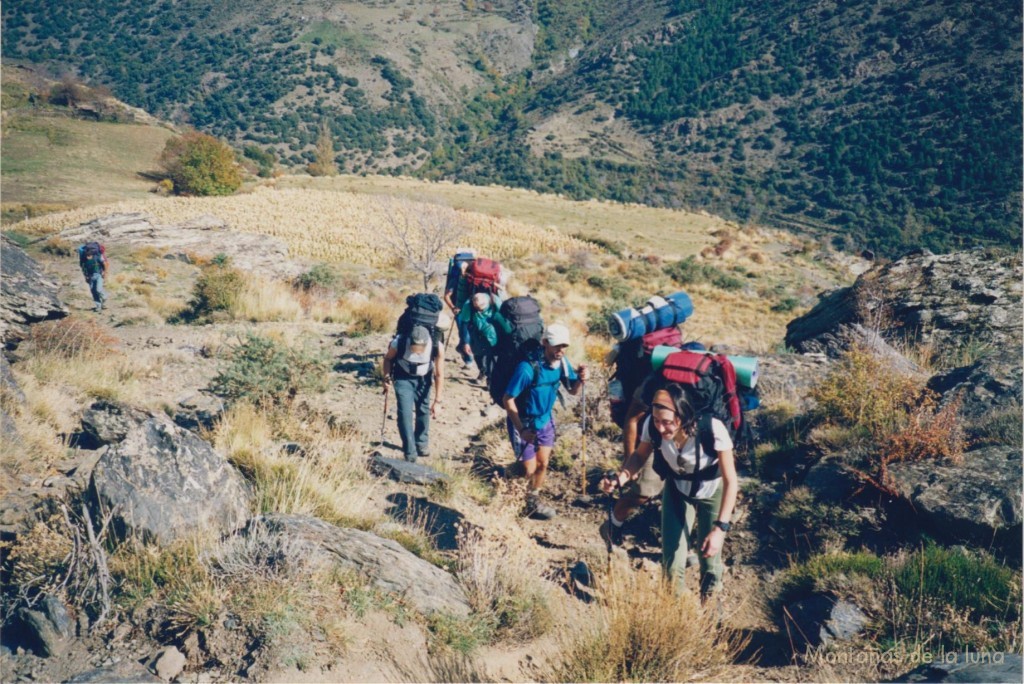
745,366
746,370
660,312
670,311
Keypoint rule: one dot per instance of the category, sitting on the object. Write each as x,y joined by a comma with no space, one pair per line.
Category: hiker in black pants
695,456
414,363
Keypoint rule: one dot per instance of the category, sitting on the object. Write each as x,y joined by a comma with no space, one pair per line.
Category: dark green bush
319,276
689,271
266,372
217,289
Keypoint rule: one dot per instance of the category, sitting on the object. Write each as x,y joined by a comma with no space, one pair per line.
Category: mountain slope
889,124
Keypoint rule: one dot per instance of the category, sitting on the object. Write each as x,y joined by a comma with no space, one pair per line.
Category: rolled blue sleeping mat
659,313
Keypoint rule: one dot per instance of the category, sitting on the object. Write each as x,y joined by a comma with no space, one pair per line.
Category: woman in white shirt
695,453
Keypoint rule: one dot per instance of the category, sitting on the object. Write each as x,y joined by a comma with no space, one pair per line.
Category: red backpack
483,275
712,379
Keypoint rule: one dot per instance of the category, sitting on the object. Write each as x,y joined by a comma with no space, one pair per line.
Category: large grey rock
169,664
125,671
199,411
791,376
26,295
991,384
945,300
389,566
404,471
107,422
9,384
971,502
165,483
970,668
203,235
46,629
823,619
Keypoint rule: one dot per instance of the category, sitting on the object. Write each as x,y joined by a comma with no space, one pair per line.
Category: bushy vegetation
932,598
266,372
689,271
217,289
199,164
863,393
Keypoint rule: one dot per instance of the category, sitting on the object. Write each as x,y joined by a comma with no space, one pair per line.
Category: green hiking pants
678,536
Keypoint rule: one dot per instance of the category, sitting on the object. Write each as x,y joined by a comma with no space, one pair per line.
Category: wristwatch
724,526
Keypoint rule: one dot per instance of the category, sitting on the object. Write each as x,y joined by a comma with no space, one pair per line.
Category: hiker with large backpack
529,399
456,291
414,365
693,451
92,259
487,326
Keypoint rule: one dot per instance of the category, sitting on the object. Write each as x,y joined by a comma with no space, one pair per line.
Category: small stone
169,664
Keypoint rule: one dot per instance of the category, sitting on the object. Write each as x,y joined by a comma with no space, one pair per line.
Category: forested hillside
888,124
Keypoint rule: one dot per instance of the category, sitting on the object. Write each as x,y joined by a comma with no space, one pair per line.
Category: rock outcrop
972,502
945,300
823,619
968,668
204,235
26,295
165,483
389,566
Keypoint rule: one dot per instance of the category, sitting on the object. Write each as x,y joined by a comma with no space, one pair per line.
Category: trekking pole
583,447
609,544
384,416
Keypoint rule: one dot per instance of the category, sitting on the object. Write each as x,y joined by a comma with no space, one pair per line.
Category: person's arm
727,465
103,263
438,380
582,375
387,366
501,323
634,463
631,428
448,294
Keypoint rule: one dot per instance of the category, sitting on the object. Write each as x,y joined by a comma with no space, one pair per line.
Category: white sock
616,522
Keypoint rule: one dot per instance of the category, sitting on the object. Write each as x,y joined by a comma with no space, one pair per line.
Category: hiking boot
424,453
712,602
611,534
538,511
410,459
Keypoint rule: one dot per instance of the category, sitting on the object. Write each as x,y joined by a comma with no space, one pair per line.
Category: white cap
556,335
481,300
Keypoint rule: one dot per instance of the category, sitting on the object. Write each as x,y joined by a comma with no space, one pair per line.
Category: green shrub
817,571
319,276
217,289
962,580
462,635
807,524
266,372
199,164
689,271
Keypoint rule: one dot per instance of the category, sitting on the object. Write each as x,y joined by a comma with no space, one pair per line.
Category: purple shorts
527,452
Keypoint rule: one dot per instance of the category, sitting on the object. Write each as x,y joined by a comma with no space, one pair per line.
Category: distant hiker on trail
456,292
414,363
696,452
529,400
92,260
486,325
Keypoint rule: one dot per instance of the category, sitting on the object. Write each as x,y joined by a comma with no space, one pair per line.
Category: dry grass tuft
329,481
502,573
72,338
643,632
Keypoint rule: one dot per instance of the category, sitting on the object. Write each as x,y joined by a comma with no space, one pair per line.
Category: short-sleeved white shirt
684,460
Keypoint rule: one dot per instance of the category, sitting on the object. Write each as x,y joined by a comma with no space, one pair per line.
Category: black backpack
632,365
522,343
420,309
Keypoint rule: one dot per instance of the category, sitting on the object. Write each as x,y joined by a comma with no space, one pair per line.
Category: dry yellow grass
322,225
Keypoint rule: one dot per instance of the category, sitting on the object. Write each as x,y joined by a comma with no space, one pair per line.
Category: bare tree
420,234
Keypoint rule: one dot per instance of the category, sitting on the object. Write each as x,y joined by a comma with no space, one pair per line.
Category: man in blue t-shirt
529,401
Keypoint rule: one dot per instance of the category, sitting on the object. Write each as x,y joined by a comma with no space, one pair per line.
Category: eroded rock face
107,422
991,384
964,668
165,483
972,502
203,235
26,295
823,619
946,300
389,566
